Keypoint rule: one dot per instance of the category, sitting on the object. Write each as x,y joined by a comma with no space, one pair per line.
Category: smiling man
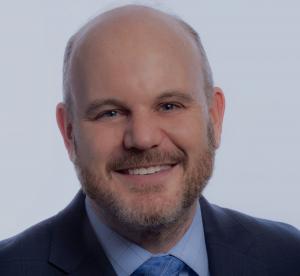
141,121
137,124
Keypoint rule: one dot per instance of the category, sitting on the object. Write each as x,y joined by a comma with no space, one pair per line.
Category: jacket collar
74,246
228,243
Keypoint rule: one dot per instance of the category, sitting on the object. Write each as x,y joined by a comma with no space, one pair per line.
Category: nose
142,133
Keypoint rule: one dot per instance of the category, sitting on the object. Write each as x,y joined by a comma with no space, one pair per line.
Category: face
142,133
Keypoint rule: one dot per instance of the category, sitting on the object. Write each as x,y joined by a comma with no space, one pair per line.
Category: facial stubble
148,215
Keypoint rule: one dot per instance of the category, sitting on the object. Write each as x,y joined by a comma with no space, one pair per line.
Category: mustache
134,158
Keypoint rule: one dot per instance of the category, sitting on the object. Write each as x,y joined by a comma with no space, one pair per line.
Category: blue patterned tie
160,266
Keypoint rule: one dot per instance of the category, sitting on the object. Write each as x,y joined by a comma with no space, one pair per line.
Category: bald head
133,31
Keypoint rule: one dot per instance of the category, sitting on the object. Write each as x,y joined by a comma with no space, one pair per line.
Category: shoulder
35,238
29,252
275,244
29,247
270,233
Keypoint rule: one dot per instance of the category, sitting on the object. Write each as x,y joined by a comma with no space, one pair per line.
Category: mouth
146,170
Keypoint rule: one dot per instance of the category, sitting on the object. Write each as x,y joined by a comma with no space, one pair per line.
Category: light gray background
254,51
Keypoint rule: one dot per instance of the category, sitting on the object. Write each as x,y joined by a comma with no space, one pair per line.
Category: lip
145,166
147,179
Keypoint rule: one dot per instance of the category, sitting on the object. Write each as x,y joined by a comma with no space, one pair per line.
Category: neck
155,240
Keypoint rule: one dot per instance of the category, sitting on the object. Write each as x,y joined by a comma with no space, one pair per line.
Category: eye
169,106
108,114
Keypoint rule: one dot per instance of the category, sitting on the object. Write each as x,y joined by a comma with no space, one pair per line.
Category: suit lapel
227,244
74,246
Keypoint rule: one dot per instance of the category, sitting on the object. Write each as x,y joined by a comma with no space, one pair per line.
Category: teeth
149,170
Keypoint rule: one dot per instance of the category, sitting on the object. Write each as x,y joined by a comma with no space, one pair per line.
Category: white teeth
150,170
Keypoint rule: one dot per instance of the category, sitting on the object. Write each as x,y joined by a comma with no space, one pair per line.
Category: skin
137,91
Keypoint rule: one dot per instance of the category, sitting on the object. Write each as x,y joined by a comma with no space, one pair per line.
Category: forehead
137,52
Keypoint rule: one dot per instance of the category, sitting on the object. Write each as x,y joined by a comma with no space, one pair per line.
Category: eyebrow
95,105
187,98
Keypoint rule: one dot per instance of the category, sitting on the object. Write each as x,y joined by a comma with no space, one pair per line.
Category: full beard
148,215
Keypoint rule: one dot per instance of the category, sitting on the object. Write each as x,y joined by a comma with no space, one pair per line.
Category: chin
147,211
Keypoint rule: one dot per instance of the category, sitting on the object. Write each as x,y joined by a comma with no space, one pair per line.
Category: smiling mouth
146,170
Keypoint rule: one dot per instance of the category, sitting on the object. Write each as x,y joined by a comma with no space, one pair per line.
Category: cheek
98,144
188,133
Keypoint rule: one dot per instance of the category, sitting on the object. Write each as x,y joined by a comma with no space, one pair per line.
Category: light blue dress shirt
126,256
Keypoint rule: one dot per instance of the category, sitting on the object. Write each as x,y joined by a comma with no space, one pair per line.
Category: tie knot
163,266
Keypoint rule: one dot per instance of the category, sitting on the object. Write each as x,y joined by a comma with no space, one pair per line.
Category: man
141,121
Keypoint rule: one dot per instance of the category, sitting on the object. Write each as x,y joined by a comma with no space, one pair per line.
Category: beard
152,214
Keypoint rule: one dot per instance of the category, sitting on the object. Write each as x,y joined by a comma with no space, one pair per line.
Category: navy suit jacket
237,245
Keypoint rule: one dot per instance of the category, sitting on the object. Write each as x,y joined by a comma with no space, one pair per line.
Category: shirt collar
126,256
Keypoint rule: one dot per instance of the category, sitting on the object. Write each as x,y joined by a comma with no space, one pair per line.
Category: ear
66,128
216,109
